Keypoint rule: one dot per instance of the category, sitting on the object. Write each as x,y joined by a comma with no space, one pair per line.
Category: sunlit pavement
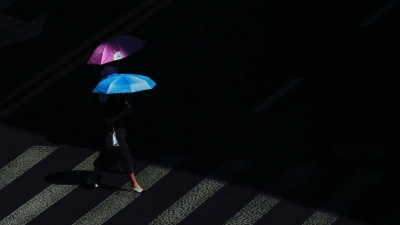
263,113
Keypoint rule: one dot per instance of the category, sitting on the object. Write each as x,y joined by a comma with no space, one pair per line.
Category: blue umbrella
124,83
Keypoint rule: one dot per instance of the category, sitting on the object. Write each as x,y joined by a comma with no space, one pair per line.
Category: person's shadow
78,177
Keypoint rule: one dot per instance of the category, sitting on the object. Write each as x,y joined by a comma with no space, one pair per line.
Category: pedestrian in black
117,115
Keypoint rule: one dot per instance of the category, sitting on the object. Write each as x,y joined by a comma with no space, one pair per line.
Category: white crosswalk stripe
393,217
249,214
344,197
390,4
278,94
263,202
199,194
22,163
5,3
113,204
48,197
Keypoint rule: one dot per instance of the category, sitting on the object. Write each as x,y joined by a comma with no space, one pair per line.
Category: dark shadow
107,187
54,178
347,97
79,128
78,177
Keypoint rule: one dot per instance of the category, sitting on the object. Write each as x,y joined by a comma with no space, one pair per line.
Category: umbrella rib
103,54
111,85
128,83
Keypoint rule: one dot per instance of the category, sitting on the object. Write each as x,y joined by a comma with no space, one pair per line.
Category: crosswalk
190,201
255,210
258,207
110,206
393,217
23,163
263,202
344,197
47,197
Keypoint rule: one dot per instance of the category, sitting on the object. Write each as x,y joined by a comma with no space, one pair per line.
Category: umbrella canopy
115,48
124,83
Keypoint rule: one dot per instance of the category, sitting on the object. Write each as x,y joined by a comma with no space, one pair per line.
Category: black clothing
114,106
119,158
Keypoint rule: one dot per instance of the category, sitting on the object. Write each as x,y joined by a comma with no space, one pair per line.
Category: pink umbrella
115,48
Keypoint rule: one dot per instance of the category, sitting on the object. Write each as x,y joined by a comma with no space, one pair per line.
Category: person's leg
92,179
102,162
127,159
124,149
95,174
135,185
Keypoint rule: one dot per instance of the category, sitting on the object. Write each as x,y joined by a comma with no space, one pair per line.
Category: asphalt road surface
280,112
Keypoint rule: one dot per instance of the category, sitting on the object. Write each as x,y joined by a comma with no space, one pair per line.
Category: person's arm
126,111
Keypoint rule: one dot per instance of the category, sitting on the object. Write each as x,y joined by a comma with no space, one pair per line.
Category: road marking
82,59
13,30
22,163
393,217
77,50
5,3
117,201
380,13
5,112
343,199
273,98
48,83
144,17
263,202
199,194
49,196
